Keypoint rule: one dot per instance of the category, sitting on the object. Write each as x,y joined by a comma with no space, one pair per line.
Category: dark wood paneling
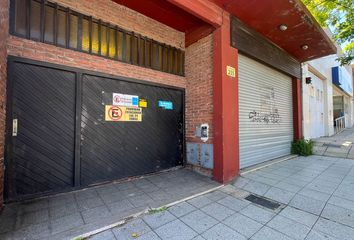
253,44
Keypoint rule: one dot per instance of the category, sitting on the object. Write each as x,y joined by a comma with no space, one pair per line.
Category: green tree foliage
338,14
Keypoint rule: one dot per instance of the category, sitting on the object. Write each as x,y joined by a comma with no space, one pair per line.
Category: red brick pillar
4,23
297,105
226,134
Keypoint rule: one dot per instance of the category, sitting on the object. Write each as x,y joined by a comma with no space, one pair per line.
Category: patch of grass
302,147
79,238
157,210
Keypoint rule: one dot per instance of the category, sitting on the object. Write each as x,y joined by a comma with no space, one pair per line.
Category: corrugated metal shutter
266,112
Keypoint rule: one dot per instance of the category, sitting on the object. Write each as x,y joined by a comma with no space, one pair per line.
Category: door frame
11,60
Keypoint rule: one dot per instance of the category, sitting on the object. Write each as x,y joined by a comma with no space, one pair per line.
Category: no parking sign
122,114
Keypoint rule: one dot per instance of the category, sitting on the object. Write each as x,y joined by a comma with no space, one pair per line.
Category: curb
145,211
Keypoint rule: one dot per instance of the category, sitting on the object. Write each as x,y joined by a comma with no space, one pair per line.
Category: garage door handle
14,127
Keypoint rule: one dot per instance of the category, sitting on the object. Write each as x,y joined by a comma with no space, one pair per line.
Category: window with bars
50,23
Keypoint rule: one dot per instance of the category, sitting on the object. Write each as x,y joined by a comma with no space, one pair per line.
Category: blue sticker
166,105
135,101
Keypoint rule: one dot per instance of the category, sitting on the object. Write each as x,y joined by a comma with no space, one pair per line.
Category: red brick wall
49,53
115,14
199,92
4,18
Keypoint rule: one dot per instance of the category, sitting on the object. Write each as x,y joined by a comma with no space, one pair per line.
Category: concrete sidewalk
339,145
315,197
70,214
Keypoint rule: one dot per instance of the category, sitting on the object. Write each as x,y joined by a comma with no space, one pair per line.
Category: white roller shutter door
265,112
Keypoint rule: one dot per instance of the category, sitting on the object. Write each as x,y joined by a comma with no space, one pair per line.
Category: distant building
327,97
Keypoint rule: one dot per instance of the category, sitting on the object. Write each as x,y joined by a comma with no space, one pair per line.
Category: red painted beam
164,12
297,105
226,126
205,10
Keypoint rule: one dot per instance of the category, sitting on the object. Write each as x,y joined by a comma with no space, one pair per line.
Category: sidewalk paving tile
62,210
62,200
141,200
216,195
322,188
334,229
200,201
106,235
319,150
339,214
242,224
258,214
271,234
220,231
148,236
341,202
314,235
138,227
199,238
279,195
85,194
158,219
121,206
88,203
299,216
240,182
307,204
159,195
289,227
234,203
112,197
296,182
257,187
314,194
36,231
31,218
217,211
288,187
66,223
181,209
7,223
35,205
175,230
95,214
199,221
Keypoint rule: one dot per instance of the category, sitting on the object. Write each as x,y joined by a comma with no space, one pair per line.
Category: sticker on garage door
167,105
125,100
143,103
122,114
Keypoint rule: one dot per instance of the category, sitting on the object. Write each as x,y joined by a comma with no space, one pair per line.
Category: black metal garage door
63,140
112,150
41,157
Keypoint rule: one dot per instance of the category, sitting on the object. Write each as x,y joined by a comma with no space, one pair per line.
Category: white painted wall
348,109
315,105
321,72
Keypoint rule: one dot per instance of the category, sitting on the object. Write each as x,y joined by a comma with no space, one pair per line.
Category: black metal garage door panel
41,157
114,150
63,141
